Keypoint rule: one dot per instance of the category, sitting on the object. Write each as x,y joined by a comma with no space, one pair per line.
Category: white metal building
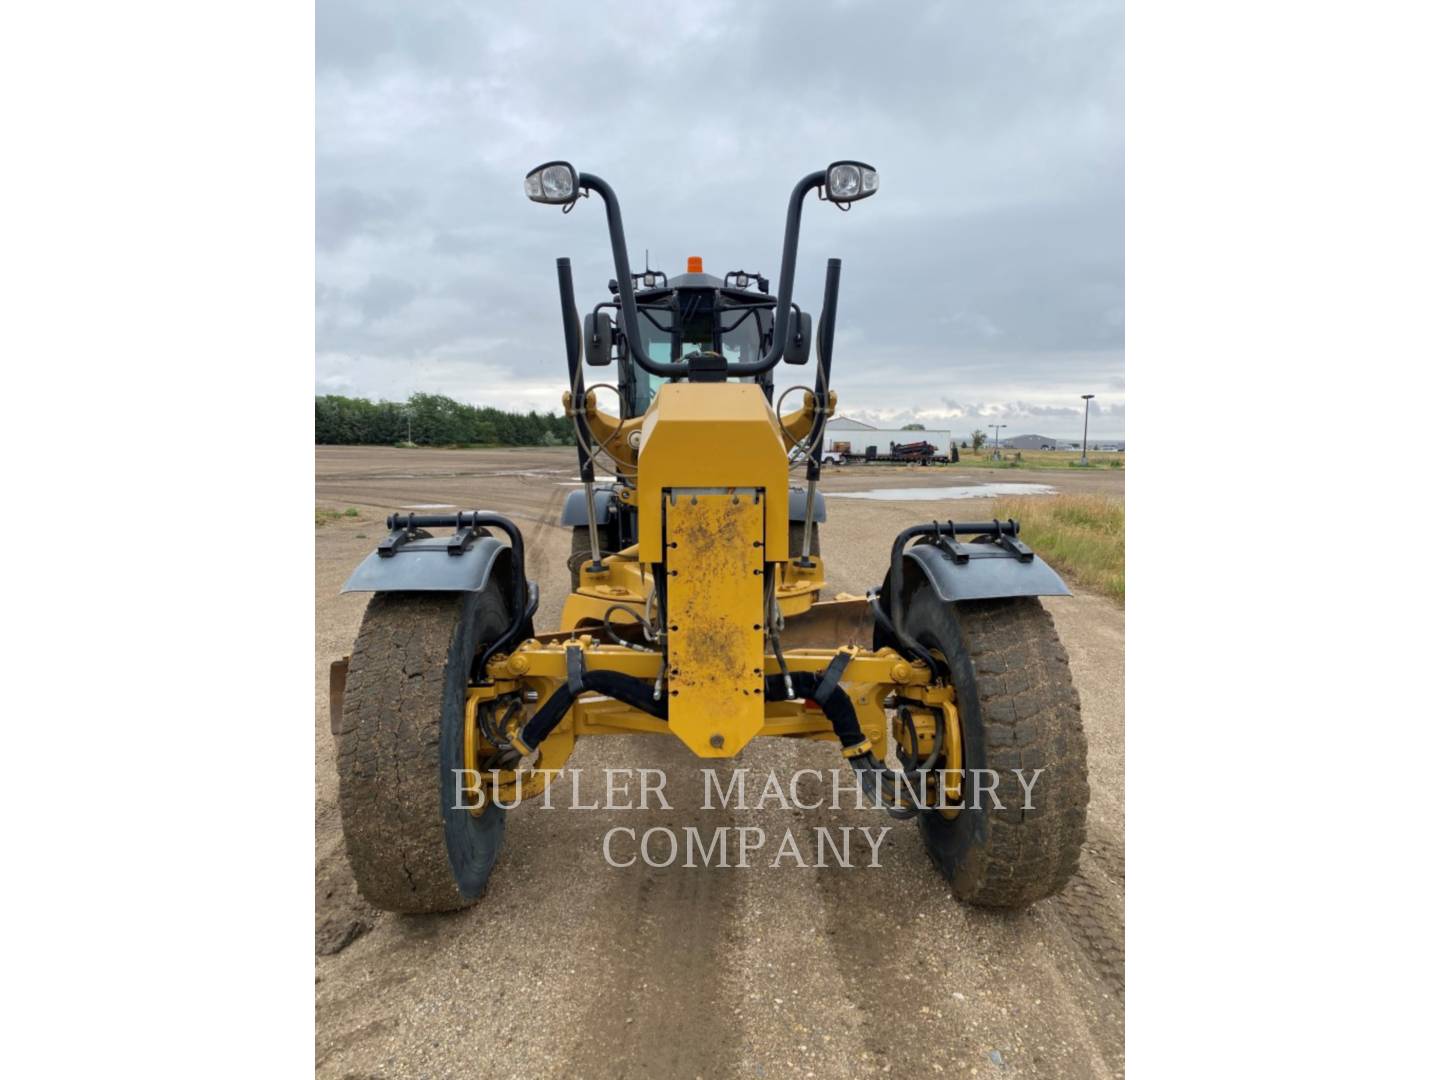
859,435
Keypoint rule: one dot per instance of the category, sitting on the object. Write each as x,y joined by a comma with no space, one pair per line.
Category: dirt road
571,968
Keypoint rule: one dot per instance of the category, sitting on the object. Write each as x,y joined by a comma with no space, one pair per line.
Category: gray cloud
383,296
989,271
344,213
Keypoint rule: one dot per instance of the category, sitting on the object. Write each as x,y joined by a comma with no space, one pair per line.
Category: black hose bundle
833,701
823,688
636,693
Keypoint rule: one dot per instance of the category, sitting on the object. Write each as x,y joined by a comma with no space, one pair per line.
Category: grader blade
339,670
837,623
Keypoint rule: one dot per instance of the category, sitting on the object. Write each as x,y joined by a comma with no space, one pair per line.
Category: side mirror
599,339
797,347
847,181
555,182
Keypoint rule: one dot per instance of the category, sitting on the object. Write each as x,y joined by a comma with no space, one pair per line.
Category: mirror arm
787,279
787,266
623,281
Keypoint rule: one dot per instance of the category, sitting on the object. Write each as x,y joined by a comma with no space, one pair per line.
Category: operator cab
696,312
720,323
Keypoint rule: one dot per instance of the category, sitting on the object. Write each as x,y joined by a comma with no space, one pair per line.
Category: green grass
1082,536
1040,459
991,463
324,515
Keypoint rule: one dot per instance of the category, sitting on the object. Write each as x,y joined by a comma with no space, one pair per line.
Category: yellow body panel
715,596
712,435
628,582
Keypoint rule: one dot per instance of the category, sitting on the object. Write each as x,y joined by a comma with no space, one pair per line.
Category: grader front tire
1019,710
401,736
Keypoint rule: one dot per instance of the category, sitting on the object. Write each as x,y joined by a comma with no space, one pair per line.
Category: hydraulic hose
632,691
823,688
835,703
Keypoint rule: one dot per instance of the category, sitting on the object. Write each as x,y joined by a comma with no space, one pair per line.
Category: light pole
1085,439
995,454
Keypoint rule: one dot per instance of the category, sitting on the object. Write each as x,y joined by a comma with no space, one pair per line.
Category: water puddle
936,494
430,506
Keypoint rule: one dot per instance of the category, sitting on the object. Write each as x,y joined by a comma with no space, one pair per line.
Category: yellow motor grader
695,609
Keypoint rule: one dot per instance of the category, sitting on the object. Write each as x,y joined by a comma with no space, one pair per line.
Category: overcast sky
984,283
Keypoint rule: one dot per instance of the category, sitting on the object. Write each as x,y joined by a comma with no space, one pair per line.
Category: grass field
1082,536
324,516
1041,459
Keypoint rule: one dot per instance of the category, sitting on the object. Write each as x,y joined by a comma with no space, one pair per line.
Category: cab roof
696,281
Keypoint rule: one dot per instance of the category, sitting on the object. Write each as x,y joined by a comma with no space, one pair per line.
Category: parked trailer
914,451
921,453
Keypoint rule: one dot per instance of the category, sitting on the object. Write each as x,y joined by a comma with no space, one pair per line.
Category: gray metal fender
797,505
425,566
574,511
989,573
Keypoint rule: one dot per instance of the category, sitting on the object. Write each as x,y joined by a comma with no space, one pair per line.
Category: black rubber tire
1018,710
797,538
400,740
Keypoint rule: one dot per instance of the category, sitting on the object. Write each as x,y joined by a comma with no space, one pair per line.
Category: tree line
432,420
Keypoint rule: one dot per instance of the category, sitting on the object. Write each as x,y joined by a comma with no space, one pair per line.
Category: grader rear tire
580,552
400,740
1018,710
797,538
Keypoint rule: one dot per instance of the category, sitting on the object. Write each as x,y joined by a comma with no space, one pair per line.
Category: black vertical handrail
584,442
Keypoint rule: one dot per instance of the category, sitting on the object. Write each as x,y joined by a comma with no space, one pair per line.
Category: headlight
554,182
846,181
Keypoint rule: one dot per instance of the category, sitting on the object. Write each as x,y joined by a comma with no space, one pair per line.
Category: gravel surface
571,968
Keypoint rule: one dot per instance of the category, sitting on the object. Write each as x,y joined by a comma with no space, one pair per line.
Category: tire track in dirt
917,975
540,555
858,948
671,931
1091,908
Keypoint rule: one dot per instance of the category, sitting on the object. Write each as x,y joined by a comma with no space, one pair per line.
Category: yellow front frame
709,479
869,679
